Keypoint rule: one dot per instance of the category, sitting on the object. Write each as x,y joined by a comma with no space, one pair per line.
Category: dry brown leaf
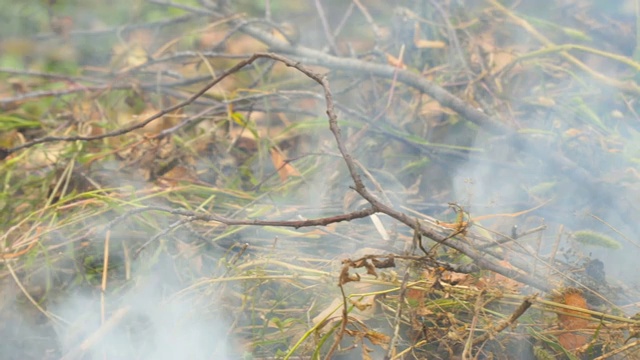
365,353
383,264
378,338
363,305
345,277
371,270
424,311
501,60
285,169
429,44
495,57
455,278
395,62
433,109
430,275
425,44
177,174
358,263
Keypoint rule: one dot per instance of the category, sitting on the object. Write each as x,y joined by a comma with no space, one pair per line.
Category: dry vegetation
366,179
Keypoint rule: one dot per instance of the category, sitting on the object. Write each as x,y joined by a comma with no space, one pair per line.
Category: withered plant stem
526,304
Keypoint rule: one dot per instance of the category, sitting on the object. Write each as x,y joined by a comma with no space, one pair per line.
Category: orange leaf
285,169
378,338
429,44
394,61
572,339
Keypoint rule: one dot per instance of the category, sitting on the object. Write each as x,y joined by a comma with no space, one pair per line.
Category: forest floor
359,179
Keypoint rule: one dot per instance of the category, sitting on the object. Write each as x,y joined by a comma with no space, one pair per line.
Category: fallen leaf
284,168
383,264
345,277
429,44
395,62
425,44
378,338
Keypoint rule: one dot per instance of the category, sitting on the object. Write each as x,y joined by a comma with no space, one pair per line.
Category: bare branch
194,216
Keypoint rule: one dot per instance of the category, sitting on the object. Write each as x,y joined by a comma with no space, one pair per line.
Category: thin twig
170,228
376,29
343,325
396,320
54,318
326,27
526,304
146,121
466,352
619,350
122,29
48,75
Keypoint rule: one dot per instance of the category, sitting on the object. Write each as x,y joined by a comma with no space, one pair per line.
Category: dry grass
185,194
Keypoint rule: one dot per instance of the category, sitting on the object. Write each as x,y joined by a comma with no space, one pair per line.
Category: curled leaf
345,277
383,264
